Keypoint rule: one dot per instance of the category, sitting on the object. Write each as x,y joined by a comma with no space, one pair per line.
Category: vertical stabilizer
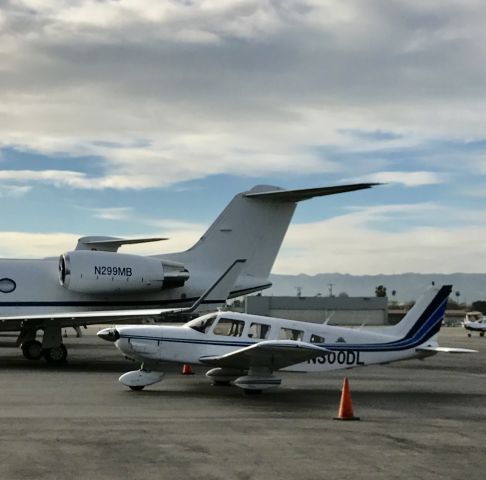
424,319
253,227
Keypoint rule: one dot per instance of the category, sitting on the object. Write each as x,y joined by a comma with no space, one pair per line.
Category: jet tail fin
252,226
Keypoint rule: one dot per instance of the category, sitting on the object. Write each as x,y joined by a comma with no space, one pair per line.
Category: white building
335,310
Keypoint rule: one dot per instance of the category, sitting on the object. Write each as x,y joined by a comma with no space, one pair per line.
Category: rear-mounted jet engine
87,271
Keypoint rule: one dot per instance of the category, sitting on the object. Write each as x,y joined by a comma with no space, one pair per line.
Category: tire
137,388
56,355
251,391
32,350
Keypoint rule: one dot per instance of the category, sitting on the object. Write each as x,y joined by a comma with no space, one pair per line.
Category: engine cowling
85,271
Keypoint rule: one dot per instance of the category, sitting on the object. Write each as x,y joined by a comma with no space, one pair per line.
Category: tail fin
252,226
424,319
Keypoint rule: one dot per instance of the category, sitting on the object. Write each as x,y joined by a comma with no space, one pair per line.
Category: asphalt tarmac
419,419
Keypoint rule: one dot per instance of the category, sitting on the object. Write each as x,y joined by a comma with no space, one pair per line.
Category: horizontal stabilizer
306,193
111,244
445,350
273,354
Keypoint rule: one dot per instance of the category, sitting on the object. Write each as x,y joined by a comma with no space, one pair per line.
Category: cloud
120,213
14,191
35,245
182,90
408,179
354,243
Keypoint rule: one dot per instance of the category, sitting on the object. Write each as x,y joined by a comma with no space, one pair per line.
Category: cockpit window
201,324
290,334
258,330
229,327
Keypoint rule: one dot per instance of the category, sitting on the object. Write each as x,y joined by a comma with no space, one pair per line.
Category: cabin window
202,324
317,339
290,334
229,327
259,330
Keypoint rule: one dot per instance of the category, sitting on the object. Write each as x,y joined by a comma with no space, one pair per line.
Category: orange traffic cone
346,406
187,369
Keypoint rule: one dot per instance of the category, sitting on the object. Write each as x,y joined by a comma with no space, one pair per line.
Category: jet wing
216,293
274,354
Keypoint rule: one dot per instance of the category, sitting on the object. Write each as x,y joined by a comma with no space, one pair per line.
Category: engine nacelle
86,271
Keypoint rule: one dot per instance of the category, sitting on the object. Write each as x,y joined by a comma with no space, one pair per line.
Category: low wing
445,350
274,354
218,292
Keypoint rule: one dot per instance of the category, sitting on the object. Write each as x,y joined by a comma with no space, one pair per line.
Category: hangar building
336,310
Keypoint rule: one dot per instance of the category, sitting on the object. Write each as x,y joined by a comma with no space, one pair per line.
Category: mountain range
467,287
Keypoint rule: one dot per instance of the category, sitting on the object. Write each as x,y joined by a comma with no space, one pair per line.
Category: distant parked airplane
95,277
248,349
474,322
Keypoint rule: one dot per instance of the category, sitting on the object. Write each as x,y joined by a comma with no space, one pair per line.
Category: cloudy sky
138,117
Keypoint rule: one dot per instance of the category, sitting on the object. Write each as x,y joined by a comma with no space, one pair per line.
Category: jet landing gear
55,355
32,349
51,348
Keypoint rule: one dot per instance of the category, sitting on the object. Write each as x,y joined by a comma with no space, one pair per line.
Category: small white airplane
248,349
94,276
474,322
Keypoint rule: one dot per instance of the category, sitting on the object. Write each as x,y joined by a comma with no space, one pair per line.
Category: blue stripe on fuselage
424,328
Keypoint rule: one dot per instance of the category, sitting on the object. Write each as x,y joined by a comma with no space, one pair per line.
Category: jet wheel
32,350
137,388
56,355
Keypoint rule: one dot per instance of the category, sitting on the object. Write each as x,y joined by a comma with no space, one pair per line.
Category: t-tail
252,226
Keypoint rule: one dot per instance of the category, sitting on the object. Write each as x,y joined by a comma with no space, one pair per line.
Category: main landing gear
138,379
51,349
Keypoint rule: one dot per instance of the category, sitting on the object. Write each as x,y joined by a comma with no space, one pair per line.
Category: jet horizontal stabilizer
111,244
306,193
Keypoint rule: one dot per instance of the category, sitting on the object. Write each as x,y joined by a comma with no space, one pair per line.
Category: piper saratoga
247,350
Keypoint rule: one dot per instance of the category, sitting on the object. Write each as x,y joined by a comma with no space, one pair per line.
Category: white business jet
248,349
474,322
94,276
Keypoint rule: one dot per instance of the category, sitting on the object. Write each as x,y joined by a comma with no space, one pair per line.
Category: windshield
202,324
